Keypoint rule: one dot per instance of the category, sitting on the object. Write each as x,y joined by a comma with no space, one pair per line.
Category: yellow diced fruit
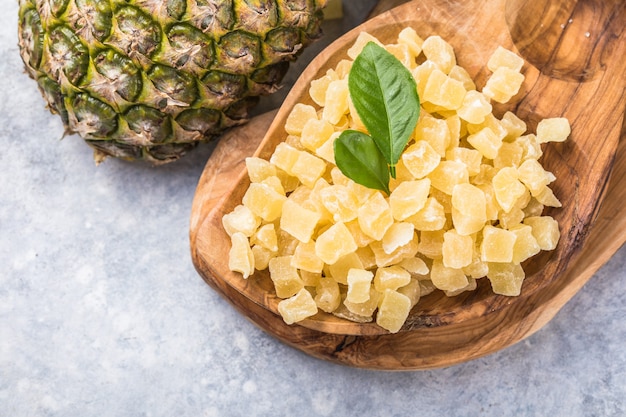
259,169
305,259
507,188
555,129
398,235
326,151
545,230
275,184
266,237
492,206
361,239
262,257
460,74
533,176
434,131
471,286
367,257
391,278
241,219
510,219
359,284
335,242
503,84
408,198
287,281
415,266
457,250
367,308
474,108
470,201
431,217
300,114
443,91
506,278
447,279
547,198
336,101
402,54
240,256
454,127
439,51
340,202
431,243
363,39
375,216
497,245
514,126
509,155
340,269
393,311
525,243
308,168
318,88
530,146
421,74
412,290
309,279
420,159
386,259
412,40
327,295
297,308
264,201
285,157
486,142
470,157
289,182
315,133
477,268
502,57
447,175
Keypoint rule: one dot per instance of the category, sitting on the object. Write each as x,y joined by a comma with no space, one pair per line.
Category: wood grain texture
442,331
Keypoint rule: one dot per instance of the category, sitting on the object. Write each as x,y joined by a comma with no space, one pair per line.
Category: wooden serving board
424,345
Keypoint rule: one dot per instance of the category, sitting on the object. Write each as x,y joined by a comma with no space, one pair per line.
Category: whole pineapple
149,79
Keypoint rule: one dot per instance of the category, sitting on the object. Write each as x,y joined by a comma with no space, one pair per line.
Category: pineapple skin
150,79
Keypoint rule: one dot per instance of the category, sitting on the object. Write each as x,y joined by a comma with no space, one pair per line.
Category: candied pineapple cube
443,91
502,57
402,54
398,235
447,175
275,184
340,202
460,74
503,84
555,129
363,39
408,198
393,311
421,73
240,256
327,295
359,284
287,281
470,157
507,188
361,239
266,237
486,142
525,243
334,242
470,201
309,279
375,216
420,159
308,168
477,268
300,114
259,169
506,278
285,157
547,198
509,155
514,126
315,133
412,290
431,243
366,308
457,250
533,176
305,259
262,257
264,201
447,279
497,245
367,257
340,269
439,51
530,146
412,40
336,101
386,259
434,131
318,88
431,217
415,266
326,150
391,278
297,308
474,108
545,230
241,219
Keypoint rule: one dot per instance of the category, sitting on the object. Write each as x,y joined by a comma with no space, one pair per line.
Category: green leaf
385,96
359,159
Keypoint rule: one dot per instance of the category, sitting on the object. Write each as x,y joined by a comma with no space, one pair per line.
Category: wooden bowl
440,330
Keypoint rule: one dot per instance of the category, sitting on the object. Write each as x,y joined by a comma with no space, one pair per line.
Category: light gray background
103,314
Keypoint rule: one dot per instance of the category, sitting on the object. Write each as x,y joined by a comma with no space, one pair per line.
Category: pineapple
141,79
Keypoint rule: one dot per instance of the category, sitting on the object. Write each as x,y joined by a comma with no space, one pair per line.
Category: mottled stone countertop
102,313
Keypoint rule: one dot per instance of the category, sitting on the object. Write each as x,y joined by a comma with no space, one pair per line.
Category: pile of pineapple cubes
467,202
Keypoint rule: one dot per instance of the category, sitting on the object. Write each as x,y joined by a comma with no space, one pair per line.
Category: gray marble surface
103,314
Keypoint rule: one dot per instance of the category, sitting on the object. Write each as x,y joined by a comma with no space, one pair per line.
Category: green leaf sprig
385,97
